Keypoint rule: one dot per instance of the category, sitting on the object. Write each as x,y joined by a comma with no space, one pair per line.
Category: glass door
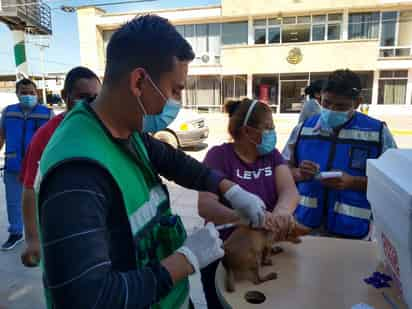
292,94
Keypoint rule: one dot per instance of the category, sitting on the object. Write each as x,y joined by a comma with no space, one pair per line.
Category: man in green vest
108,237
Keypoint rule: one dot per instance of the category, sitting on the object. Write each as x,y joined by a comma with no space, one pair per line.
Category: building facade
272,49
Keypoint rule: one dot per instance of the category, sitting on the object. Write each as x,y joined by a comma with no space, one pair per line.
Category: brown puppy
246,250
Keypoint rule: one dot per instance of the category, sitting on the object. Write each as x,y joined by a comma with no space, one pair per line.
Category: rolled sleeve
388,141
175,165
287,151
2,116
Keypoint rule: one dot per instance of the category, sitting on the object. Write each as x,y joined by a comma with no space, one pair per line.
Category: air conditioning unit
205,59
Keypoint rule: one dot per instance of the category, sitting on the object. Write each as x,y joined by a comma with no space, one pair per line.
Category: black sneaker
13,240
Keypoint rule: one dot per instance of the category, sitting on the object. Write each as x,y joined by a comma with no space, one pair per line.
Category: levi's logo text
256,174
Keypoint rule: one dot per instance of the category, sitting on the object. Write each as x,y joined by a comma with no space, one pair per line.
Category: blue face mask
268,142
158,122
28,100
154,123
330,119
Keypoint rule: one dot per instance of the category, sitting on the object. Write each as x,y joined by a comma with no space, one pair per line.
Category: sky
64,53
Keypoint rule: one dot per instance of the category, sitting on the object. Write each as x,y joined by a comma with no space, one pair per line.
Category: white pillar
43,74
249,90
345,24
251,34
375,87
409,88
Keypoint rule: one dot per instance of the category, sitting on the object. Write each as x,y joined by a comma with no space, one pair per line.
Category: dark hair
314,87
74,75
150,42
344,83
237,110
25,82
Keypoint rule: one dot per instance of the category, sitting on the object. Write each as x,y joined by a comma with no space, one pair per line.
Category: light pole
43,70
42,42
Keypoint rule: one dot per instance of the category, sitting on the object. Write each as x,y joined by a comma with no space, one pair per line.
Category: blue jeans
13,200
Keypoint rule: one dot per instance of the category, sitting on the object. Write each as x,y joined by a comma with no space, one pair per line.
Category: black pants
208,281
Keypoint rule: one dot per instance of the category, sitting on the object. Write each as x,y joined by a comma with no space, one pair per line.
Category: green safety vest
156,232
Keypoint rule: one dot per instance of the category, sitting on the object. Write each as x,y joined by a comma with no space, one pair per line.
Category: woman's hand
270,222
279,224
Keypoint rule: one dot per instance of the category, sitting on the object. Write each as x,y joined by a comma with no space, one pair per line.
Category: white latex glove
249,207
202,247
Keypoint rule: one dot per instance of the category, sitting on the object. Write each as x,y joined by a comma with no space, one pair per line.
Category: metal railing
395,51
31,14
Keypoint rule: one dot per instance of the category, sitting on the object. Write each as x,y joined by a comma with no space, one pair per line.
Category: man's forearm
1,141
212,210
225,185
178,267
29,215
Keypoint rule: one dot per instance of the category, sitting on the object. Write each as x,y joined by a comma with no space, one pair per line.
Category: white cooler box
390,194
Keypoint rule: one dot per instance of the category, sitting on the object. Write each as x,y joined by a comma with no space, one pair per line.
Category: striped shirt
89,255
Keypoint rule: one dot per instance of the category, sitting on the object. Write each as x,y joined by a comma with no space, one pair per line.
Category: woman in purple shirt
253,162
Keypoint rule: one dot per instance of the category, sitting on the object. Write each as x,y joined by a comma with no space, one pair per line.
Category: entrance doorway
292,94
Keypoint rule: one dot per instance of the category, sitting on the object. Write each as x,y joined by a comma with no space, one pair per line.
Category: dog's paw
296,240
272,276
276,250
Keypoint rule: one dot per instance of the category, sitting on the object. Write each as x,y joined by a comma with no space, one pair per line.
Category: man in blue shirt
342,139
18,124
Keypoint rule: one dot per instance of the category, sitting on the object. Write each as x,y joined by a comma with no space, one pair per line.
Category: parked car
7,98
54,99
187,130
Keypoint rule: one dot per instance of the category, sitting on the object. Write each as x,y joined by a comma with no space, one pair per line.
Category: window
274,35
334,26
392,87
289,20
326,27
265,89
395,38
202,92
190,35
405,26
201,39
234,86
107,34
363,25
260,36
388,30
180,29
204,39
318,27
366,78
214,39
260,31
267,31
296,29
234,33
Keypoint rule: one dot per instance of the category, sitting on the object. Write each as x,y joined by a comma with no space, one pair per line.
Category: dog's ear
296,240
297,230
301,230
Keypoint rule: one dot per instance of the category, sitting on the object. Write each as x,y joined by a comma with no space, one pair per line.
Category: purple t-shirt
258,177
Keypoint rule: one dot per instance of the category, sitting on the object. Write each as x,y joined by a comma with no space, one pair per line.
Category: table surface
318,273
